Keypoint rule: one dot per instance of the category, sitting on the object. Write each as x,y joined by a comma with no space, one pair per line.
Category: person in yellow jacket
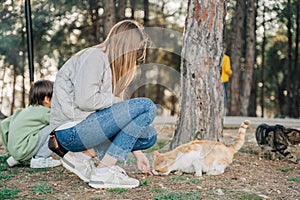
226,73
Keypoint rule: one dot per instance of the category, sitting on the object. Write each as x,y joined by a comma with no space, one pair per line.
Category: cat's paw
155,172
214,173
198,174
179,173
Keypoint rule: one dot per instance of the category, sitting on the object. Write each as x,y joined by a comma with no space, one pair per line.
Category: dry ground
248,177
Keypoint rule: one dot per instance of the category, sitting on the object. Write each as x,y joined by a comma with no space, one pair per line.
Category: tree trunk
236,55
3,86
202,101
142,90
109,16
290,84
132,5
263,50
121,7
146,11
250,57
296,110
12,107
94,14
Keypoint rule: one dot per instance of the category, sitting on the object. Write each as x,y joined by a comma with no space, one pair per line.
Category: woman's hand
142,162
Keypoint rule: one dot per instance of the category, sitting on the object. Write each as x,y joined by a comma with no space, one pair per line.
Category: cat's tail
241,138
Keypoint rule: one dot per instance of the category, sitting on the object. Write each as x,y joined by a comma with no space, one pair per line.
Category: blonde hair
123,43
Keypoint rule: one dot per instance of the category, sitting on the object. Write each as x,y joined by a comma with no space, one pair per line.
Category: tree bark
296,73
12,105
250,57
121,7
132,5
202,100
109,16
263,53
290,84
236,55
94,14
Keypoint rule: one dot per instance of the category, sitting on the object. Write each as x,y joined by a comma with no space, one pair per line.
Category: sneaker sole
41,166
109,186
69,167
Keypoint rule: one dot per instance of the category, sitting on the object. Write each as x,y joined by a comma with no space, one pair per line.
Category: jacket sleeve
4,127
93,82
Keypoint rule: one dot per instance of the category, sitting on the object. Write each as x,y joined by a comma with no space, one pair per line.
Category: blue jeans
116,130
225,92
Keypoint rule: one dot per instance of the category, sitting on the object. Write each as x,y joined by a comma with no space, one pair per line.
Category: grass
166,195
194,181
41,188
8,194
144,183
117,190
177,178
156,190
284,169
159,145
37,170
3,164
250,197
294,179
4,176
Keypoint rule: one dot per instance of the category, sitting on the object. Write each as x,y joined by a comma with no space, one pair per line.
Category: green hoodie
20,131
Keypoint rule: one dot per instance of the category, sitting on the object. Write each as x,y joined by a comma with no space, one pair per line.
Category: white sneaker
82,168
44,162
116,177
12,162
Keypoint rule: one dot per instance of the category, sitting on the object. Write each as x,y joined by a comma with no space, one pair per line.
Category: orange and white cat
199,156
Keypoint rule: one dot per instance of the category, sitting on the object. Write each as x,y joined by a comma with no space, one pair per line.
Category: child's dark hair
39,90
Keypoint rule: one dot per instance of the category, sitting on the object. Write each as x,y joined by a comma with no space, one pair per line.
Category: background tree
249,57
236,50
201,103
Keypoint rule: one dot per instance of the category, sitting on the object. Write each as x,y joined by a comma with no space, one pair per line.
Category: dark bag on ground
55,146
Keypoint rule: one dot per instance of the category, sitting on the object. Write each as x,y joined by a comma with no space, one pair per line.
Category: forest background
62,28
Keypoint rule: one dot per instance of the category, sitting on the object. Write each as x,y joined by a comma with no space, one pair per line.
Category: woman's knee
146,104
145,143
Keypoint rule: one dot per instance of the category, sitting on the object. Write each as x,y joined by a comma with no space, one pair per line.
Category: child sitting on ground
25,134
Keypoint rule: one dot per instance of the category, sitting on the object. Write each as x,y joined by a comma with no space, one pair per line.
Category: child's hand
142,162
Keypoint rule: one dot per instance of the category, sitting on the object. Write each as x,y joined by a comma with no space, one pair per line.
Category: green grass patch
37,170
294,179
3,159
8,194
41,188
117,190
4,176
144,183
284,169
177,178
250,197
3,164
194,181
166,195
158,145
156,190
